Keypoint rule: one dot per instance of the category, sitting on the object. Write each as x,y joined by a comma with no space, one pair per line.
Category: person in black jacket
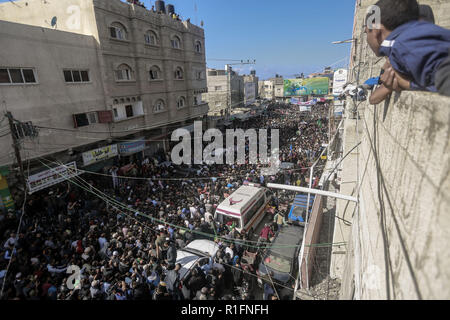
195,281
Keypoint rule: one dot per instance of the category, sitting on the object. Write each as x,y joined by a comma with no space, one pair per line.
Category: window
198,47
84,76
4,76
116,114
181,103
198,99
159,106
176,42
199,75
150,38
17,75
251,213
129,110
179,74
81,120
154,73
218,88
68,76
28,75
117,31
123,73
92,116
76,75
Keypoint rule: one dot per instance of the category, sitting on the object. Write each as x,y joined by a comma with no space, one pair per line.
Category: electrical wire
17,237
106,198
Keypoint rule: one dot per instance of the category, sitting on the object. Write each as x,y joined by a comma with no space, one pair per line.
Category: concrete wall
397,241
218,99
76,16
81,39
50,102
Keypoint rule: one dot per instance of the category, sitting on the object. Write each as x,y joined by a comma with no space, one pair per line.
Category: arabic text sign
127,148
340,79
304,87
305,108
51,177
100,154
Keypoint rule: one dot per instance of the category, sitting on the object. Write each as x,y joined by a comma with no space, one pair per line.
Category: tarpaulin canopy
298,208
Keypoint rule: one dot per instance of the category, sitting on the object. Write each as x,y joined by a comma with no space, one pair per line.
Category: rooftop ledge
140,11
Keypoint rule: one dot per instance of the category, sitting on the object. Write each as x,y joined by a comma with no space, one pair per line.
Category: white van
246,207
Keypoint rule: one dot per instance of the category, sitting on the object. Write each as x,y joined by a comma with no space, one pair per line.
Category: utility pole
16,148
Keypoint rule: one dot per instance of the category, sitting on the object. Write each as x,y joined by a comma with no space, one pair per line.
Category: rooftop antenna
196,12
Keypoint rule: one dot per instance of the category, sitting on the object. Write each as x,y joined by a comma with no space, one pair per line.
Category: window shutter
105,116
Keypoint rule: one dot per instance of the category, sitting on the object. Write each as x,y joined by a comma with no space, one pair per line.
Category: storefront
132,151
6,201
155,144
50,177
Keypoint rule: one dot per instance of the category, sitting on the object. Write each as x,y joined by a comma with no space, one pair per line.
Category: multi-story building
278,88
250,88
327,73
267,90
88,72
272,89
225,91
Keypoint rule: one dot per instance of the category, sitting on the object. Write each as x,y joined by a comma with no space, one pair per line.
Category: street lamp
344,41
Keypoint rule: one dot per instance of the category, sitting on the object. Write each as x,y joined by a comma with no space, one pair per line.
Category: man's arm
379,95
388,81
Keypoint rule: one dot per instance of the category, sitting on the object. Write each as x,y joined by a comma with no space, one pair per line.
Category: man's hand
388,79
392,79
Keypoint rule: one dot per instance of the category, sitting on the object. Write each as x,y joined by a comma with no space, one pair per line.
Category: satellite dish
54,21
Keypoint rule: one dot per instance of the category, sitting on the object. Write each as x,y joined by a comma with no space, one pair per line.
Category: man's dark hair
426,13
395,13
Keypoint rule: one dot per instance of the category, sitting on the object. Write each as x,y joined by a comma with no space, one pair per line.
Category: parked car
281,260
194,254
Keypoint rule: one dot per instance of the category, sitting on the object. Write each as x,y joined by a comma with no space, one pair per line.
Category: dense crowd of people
123,229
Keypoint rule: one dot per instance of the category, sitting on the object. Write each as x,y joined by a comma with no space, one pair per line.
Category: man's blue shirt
416,49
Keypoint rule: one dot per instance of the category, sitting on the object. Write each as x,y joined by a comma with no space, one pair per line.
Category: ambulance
245,208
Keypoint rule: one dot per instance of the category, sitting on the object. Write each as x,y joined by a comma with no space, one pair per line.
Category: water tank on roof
170,8
160,6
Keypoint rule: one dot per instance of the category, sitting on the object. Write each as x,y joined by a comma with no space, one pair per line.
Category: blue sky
284,36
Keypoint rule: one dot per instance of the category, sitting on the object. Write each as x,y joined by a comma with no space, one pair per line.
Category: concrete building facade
268,90
278,88
250,88
225,91
97,69
395,238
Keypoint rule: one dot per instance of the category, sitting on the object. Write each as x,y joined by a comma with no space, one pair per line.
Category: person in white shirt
102,240
194,212
11,241
209,217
